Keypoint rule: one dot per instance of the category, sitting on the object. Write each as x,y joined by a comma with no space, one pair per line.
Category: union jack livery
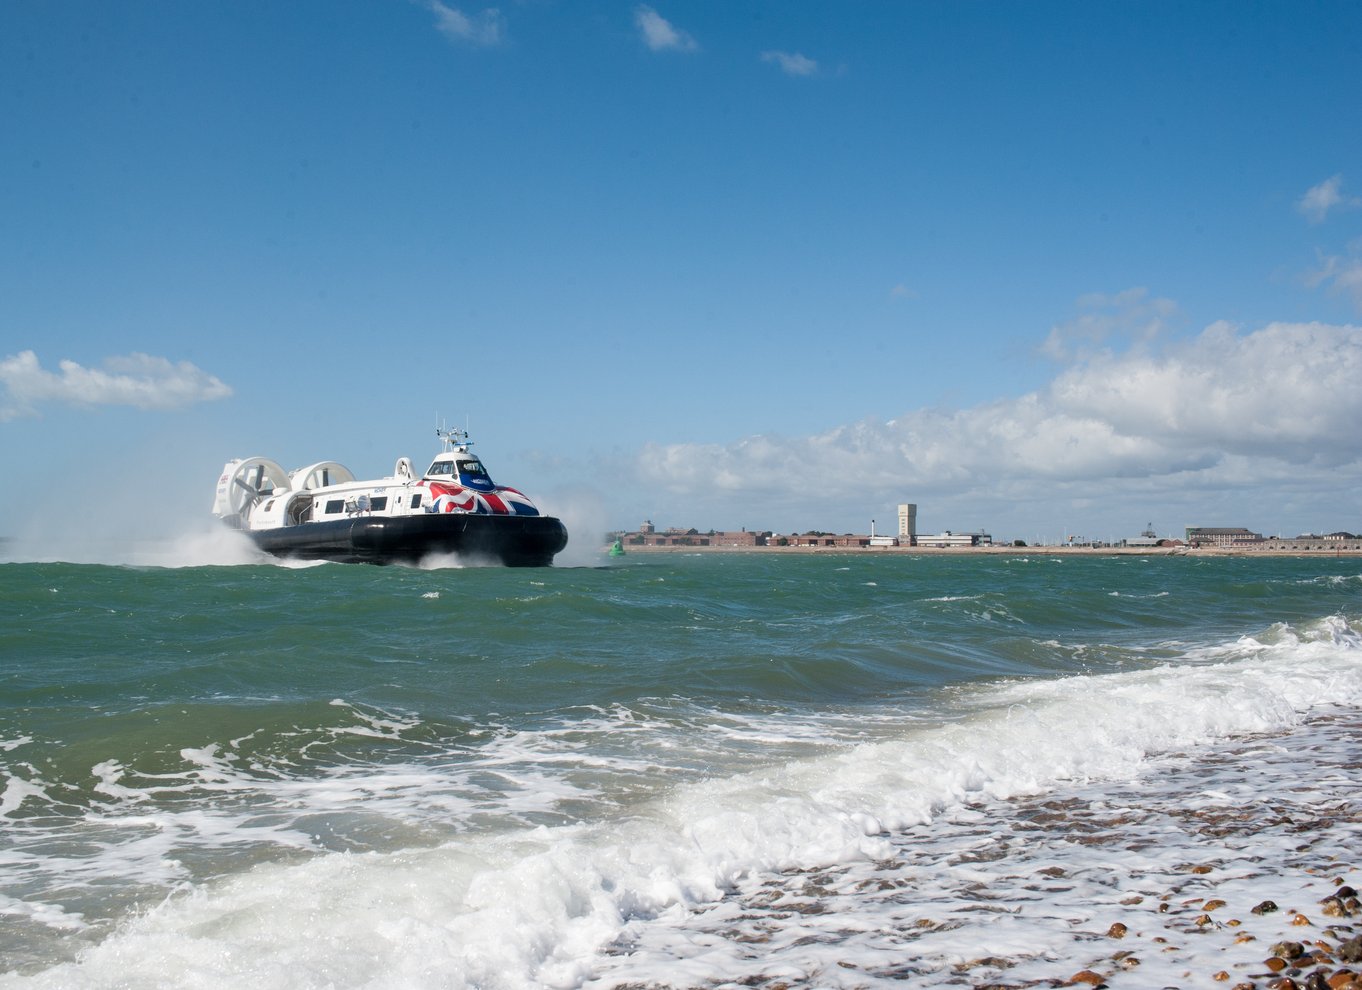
323,512
445,497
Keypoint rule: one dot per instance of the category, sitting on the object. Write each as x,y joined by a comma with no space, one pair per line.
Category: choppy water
347,776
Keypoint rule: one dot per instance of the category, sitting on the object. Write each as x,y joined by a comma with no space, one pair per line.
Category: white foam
444,561
1025,892
49,915
16,791
661,866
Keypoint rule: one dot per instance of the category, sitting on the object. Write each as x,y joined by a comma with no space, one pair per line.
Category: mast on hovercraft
454,439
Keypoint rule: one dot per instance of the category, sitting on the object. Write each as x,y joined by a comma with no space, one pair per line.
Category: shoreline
1223,865
998,551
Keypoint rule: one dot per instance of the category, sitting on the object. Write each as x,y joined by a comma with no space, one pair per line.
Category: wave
541,905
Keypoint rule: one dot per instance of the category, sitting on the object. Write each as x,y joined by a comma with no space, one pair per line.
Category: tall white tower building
908,523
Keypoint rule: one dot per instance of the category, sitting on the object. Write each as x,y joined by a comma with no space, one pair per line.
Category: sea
675,770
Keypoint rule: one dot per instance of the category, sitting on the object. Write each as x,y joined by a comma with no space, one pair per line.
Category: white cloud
1319,200
137,380
660,35
1342,274
1225,410
1287,392
488,28
791,63
1131,315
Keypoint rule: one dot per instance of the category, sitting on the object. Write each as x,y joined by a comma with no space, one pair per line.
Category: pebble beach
1232,867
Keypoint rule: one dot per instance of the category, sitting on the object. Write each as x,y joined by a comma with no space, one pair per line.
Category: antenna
452,439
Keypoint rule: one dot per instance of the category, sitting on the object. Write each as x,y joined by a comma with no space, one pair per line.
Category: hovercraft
321,512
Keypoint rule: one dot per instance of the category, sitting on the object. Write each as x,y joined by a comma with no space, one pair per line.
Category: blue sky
1043,269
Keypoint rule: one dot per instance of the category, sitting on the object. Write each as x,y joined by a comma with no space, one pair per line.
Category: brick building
1213,536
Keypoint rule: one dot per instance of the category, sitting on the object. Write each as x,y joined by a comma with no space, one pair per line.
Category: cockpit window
472,468
441,467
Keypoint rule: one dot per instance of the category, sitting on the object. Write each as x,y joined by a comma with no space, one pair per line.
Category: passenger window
335,505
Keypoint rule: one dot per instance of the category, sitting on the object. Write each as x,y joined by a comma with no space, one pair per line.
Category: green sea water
168,730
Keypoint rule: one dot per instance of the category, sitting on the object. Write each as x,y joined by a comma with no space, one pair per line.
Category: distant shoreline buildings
1196,537
1237,538
647,535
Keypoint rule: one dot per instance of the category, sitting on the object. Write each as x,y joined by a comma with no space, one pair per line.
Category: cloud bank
1224,410
137,380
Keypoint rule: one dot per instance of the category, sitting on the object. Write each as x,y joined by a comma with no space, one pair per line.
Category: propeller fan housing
245,482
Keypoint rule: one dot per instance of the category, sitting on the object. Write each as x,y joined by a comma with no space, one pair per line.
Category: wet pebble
1087,977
